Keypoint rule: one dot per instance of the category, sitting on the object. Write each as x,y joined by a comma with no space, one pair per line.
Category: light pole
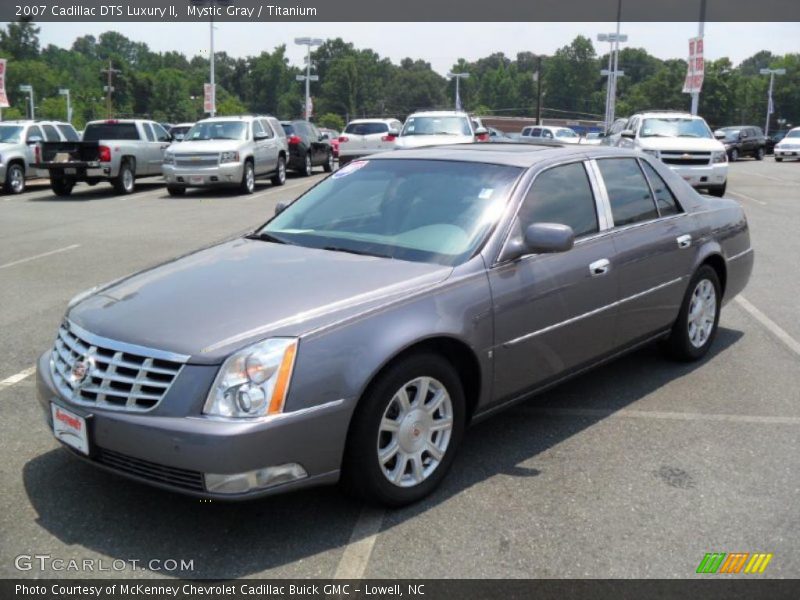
613,71
29,90
770,108
65,92
308,42
458,77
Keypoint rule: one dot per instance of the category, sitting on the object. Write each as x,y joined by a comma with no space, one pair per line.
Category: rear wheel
328,166
62,186
696,326
176,190
307,166
280,173
778,159
760,154
248,183
125,181
405,431
734,155
15,179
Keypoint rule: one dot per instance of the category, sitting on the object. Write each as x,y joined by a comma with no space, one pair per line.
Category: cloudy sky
442,44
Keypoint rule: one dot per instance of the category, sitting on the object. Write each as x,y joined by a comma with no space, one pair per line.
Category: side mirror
628,133
280,207
743,135
259,136
324,136
481,131
540,238
719,134
35,139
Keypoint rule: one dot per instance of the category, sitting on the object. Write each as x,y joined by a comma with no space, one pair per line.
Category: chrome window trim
600,309
97,340
601,196
652,189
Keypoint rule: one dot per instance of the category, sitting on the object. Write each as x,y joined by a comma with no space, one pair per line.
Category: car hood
216,300
8,145
418,141
208,146
681,144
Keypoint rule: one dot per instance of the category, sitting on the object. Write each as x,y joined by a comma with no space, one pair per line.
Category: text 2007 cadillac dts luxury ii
356,334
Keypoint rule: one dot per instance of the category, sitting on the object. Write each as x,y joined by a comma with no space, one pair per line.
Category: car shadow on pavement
107,514
101,191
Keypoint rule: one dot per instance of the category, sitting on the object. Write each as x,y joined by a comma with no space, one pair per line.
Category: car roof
183,124
439,113
668,113
371,121
506,153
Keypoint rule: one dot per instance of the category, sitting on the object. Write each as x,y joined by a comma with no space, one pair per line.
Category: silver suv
19,149
227,151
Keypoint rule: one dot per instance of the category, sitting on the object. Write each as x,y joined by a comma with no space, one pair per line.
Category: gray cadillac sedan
357,333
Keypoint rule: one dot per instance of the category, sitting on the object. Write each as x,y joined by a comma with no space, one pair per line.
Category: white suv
564,135
435,127
367,136
682,141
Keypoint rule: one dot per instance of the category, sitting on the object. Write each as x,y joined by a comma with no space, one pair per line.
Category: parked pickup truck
118,151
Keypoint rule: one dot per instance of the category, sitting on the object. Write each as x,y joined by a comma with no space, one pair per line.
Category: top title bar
407,11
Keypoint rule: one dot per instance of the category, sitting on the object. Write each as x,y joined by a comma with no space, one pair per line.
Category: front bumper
174,452
225,174
787,153
702,176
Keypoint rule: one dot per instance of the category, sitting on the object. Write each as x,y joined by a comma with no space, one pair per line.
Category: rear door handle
684,241
600,267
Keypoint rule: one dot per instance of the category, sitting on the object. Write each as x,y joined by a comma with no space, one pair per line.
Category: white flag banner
695,70
3,97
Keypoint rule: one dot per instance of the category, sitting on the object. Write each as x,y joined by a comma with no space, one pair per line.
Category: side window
257,128
526,131
536,132
69,133
267,129
33,132
561,195
148,132
546,133
665,200
50,133
276,127
162,135
628,192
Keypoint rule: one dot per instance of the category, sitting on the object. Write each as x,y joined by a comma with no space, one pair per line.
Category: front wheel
307,167
719,190
405,431
694,330
734,155
125,181
778,159
176,190
248,183
62,187
15,179
328,166
280,172
760,154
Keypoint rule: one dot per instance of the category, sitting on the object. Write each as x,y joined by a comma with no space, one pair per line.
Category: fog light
240,483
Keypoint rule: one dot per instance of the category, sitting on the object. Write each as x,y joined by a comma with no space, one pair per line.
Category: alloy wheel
702,313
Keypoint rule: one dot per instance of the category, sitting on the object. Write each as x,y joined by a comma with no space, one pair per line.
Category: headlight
719,157
652,153
253,382
169,158
229,157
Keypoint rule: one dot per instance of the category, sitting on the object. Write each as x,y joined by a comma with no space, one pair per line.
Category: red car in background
333,138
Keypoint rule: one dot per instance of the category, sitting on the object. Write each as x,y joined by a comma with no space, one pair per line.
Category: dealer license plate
70,428
196,179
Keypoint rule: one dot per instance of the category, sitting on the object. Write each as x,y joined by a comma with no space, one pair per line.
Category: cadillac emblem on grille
80,371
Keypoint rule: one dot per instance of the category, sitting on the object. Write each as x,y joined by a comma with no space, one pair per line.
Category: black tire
280,173
778,159
760,153
15,179
176,190
125,181
362,472
680,342
62,187
248,183
308,168
718,190
733,155
328,166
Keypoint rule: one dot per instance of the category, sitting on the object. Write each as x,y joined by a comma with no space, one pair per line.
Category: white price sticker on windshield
486,193
350,168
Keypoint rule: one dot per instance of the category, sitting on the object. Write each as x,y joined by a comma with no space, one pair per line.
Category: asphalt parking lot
636,469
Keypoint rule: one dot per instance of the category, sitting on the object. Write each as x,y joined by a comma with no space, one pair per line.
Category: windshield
217,130
730,134
418,210
10,134
793,134
566,133
437,126
675,127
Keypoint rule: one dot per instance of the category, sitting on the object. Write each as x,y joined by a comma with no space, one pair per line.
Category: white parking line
661,415
772,178
9,381
358,550
42,255
771,325
746,197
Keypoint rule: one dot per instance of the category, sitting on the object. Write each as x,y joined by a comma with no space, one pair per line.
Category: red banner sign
695,70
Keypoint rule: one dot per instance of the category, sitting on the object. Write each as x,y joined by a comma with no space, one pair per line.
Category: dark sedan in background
356,334
308,147
744,140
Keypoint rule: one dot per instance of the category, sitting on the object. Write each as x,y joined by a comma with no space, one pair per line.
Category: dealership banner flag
209,98
695,70
3,98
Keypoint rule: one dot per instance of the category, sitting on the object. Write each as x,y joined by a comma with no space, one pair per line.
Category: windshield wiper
266,237
358,252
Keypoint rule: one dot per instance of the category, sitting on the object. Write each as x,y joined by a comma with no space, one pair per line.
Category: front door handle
600,267
684,241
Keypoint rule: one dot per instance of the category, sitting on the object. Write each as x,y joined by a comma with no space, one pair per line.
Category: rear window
366,128
110,131
69,133
287,127
50,133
